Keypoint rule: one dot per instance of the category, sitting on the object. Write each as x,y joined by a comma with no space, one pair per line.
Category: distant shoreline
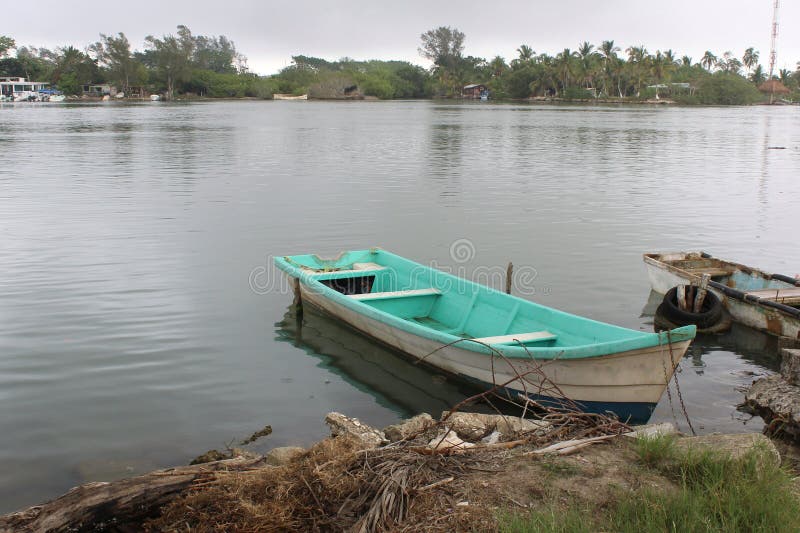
540,100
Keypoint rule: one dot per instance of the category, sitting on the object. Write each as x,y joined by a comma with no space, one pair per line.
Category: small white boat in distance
289,97
155,97
767,302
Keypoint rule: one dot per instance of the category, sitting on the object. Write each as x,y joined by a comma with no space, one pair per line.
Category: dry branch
121,505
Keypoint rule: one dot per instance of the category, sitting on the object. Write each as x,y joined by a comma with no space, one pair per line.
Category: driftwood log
118,505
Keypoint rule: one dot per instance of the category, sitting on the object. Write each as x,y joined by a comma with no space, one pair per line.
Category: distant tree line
183,63
171,64
600,71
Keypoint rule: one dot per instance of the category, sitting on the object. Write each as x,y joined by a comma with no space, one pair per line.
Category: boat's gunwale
600,349
730,292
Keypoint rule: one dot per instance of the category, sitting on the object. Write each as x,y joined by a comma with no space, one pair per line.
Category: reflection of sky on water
129,334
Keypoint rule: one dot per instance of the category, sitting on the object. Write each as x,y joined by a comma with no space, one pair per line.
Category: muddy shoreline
464,471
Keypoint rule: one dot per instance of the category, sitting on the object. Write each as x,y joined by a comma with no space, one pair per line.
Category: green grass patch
561,468
710,493
653,451
552,520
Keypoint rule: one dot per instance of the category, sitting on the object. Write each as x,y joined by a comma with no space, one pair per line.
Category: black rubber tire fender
709,315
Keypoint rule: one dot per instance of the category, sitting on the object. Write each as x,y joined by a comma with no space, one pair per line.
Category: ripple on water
129,334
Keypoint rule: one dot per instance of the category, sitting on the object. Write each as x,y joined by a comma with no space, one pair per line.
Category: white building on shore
16,89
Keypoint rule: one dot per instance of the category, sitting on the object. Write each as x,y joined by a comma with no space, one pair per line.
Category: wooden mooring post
701,292
680,292
509,276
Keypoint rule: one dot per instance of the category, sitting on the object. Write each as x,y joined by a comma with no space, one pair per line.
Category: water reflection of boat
394,381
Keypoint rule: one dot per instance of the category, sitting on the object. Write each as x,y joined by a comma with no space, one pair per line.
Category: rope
677,386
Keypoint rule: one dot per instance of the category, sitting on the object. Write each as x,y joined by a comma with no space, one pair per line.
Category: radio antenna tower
773,54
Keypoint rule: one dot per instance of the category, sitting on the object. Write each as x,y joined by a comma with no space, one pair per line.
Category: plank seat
712,272
356,268
789,296
395,294
518,338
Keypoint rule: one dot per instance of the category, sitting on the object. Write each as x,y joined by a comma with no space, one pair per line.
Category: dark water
140,327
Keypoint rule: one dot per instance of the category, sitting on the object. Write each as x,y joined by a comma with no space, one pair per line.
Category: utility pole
773,54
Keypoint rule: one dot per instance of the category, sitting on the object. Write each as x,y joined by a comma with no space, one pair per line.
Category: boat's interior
449,304
749,280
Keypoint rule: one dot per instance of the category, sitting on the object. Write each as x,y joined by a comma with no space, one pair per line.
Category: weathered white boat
289,97
489,337
767,302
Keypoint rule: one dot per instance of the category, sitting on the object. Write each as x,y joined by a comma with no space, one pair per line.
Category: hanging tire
710,314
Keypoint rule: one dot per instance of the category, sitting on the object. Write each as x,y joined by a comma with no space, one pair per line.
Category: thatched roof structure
773,87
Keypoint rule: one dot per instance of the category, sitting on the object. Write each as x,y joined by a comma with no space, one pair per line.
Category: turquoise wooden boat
488,337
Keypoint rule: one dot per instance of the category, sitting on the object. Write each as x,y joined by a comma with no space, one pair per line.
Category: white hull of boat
636,376
289,97
754,316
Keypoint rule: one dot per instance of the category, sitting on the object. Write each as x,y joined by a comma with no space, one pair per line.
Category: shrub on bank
218,85
726,89
577,93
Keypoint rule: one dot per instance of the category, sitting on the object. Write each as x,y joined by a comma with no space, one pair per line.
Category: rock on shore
776,398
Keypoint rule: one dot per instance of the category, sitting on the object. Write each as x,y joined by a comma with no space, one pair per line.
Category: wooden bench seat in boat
356,267
711,271
395,294
518,338
790,296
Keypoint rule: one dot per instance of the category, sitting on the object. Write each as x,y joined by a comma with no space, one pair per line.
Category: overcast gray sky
270,32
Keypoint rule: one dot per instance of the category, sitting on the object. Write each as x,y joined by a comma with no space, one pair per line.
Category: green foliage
378,86
653,451
211,66
727,89
577,93
73,68
114,53
444,47
517,82
217,54
6,44
69,84
11,66
552,520
221,85
714,493
441,45
382,79
171,57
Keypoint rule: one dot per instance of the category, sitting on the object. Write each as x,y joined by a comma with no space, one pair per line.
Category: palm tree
525,52
564,66
758,76
638,60
497,66
586,64
784,75
686,61
734,66
658,67
750,58
618,67
709,60
608,52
